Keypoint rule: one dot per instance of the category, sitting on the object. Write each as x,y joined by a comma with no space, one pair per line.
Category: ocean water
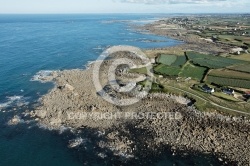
31,43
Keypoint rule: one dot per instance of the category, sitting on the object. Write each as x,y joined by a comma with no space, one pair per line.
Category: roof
207,88
228,90
248,93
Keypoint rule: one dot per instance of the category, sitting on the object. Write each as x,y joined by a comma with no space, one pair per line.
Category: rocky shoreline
126,138
74,103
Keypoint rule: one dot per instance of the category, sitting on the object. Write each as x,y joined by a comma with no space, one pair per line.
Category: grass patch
235,40
225,96
167,70
234,82
194,55
213,62
192,71
230,74
244,57
203,100
166,59
210,63
156,88
180,61
241,68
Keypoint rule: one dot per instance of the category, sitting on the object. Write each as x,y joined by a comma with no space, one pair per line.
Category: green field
230,74
228,82
213,62
180,61
244,57
223,36
229,78
241,68
167,70
194,55
195,72
210,63
166,59
235,40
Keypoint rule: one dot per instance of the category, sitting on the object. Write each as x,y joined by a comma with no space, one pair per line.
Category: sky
123,6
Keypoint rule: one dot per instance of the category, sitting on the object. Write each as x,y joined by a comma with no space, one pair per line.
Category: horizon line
128,13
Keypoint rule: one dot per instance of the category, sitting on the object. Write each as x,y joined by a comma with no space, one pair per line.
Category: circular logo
125,91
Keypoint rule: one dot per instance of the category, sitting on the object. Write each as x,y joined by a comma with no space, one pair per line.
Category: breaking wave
41,75
14,101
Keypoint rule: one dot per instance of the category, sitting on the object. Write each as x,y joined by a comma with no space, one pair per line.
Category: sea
42,43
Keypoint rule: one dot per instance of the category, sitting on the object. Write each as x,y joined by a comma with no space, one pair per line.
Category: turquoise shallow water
30,43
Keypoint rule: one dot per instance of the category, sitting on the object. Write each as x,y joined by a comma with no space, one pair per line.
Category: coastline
191,42
216,133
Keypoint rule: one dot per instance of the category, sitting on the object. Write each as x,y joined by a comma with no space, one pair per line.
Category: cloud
171,1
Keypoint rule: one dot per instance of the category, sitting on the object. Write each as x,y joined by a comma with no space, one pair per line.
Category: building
247,95
207,89
228,91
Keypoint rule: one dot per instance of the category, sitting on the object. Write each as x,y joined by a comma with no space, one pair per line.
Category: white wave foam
14,101
14,98
44,127
87,66
76,142
41,75
4,105
62,129
99,48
